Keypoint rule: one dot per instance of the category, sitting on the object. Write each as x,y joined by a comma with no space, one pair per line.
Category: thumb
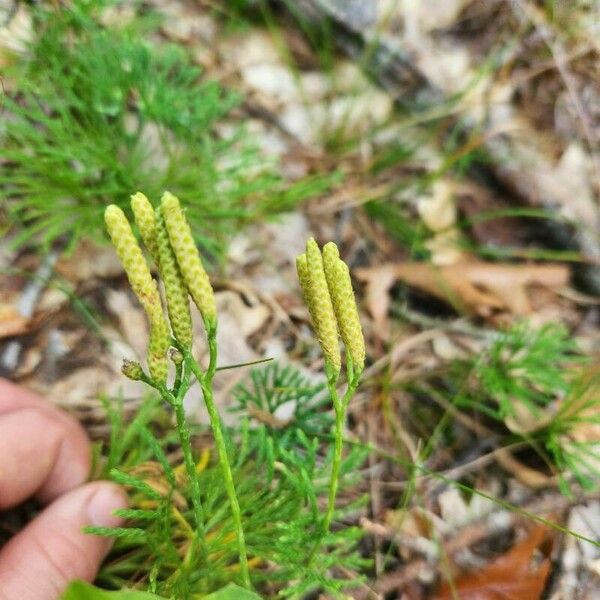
52,550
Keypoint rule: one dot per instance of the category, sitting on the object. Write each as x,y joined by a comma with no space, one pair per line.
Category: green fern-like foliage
540,371
281,477
100,111
288,408
527,366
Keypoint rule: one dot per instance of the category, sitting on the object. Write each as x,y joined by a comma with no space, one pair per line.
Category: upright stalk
183,430
335,467
190,467
339,406
206,380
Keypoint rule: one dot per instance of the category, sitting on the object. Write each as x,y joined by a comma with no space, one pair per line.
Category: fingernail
103,504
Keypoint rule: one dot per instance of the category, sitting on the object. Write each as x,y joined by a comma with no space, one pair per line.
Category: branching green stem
206,380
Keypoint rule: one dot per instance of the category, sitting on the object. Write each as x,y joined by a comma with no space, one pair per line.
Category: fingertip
40,561
106,500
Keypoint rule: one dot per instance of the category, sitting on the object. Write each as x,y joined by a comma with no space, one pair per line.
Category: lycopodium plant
169,239
254,518
328,294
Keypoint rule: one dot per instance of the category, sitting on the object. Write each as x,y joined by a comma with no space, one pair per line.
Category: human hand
46,454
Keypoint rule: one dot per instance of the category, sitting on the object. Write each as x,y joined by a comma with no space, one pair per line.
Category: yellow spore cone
344,304
188,258
321,306
178,304
304,279
143,212
143,286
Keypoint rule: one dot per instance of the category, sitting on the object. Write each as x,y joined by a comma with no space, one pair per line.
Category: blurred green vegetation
99,112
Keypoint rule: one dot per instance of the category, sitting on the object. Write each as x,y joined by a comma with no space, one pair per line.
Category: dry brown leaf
12,322
239,318
236,323
513,576
186,24
88,261
473,287
525,421
379,282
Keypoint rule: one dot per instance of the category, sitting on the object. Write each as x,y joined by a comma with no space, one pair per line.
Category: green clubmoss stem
335,467
339,405
183,431
206,380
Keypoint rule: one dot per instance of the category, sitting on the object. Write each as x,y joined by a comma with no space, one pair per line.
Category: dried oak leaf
473,287
515,575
